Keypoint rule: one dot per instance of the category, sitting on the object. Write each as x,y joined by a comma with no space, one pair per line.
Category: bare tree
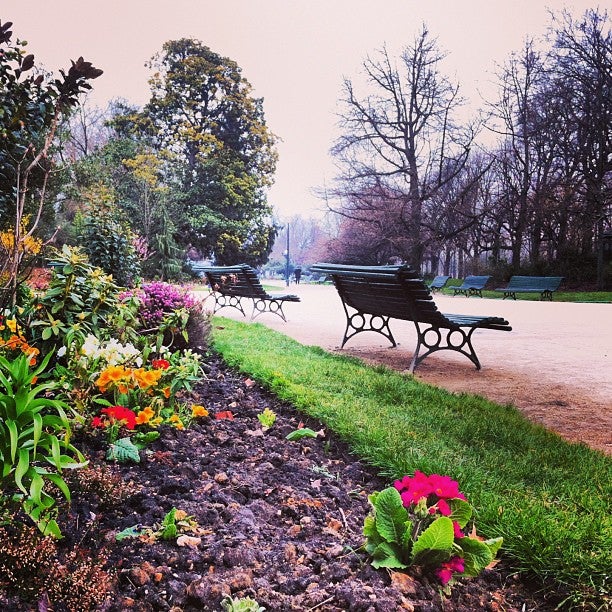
399,138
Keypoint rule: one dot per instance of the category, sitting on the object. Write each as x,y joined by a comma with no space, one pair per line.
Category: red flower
160,364
121,413
97,422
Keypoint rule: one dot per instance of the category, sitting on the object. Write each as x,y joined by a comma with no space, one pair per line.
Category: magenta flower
445,572
457,530
443,508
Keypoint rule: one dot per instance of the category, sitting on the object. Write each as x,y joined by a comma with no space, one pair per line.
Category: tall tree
203,116
400,138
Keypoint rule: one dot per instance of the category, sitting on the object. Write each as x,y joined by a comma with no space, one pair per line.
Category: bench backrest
475,282
389,291
539,283
439,282
241,280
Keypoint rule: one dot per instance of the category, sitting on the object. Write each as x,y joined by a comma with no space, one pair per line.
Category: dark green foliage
108,241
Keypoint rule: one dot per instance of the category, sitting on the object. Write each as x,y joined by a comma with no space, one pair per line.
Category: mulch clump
280,522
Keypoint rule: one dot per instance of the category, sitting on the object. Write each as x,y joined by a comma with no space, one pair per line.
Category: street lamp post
287,258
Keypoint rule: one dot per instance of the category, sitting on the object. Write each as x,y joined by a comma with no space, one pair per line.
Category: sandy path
555,365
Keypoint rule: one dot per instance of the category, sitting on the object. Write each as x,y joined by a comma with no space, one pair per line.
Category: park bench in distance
472,285
372,295
544,285
438,283
231,284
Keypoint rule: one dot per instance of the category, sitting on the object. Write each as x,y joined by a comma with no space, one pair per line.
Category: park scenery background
157,456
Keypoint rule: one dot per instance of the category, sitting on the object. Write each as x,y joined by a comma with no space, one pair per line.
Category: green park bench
372,295
472,285
438,283
231,284
544,285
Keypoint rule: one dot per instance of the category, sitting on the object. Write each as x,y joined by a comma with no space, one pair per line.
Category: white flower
61,352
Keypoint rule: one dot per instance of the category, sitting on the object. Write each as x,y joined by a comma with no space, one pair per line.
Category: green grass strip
549,499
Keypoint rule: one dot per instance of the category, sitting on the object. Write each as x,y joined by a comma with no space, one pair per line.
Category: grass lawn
550,500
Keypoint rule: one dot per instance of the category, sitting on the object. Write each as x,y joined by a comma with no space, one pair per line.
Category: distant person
297,273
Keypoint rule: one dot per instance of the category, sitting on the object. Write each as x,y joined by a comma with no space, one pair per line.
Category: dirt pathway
555,366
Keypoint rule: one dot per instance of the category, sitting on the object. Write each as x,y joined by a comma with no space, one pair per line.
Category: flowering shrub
423,520
12,339
158,299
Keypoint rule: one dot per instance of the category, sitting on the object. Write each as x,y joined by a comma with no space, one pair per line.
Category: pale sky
295,53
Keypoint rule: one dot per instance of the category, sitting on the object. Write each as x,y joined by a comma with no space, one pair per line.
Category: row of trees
416,184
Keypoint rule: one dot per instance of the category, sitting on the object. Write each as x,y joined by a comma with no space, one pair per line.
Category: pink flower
445,487
413,489
457,530
446,570
444,508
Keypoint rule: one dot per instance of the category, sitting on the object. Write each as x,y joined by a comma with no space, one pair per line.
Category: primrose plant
423,520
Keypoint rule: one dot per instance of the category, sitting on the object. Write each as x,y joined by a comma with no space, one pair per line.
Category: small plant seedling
267,418
304,432
242,604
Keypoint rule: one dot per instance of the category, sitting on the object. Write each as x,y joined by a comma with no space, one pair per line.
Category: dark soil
280,521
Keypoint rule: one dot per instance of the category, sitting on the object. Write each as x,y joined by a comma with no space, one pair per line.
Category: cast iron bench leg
232,301
359,322
263,305
440,343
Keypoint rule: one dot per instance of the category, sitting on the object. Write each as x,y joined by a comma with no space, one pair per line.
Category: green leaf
494,545
142,440
46,333
22,469
476,554
390,515
435,543
298,434
129,532
387,555
122,451
461,511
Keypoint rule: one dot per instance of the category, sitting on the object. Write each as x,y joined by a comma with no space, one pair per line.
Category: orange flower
147,378
166,392
198,411
145,416
112,374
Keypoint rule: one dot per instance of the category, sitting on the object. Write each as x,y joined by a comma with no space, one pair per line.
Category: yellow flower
155,422
175,418
198,411
12,325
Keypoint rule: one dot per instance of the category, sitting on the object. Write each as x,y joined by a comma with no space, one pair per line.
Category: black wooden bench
231,284
438,283
544,285
372,295
472,285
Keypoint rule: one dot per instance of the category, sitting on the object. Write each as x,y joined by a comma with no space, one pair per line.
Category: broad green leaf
476,554
123,450
390,515
36,487
46,333
129,532
461,511
494,545
435,543
59,482
387,555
